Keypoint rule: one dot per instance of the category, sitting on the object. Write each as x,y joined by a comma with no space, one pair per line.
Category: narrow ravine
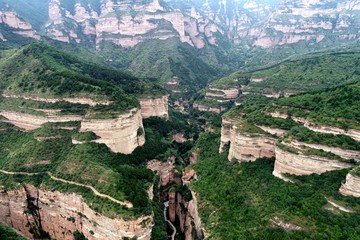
166,206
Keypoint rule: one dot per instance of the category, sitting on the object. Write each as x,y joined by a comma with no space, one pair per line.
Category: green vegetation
43,71
159,230
309,74
303,134
334,107
194,67
9,234
85,136
246,127
242,201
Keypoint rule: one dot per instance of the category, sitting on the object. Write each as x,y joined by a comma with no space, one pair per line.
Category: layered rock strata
220,94
61,214
19,26
121,134
154,107
352,186
31,121
299,164
206,108
246,147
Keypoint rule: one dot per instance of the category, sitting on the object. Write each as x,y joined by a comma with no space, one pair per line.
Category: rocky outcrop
30,121
246,147
207,108
220,94
299,164
343,153
163,169
352,186
154,107
353,133
226,131
61,214
122,134
19,26
308,21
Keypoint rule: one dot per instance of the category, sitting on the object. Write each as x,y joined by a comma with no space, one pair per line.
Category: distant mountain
127,23
156,38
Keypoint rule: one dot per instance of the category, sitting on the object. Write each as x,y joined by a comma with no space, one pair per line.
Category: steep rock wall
298,164
119,134
351,187
12,20
245,147
31,122
60,214
230,93
206,108
154,107
344,153
226,127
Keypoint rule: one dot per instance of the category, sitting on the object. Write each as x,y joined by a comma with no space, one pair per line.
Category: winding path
97,193
168,221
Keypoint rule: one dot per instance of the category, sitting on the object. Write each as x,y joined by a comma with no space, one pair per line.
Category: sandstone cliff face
351,187
206,108
31,122
251,23
119,134
298,164
226,132
245,147
61,214
343,153
353,133
309,21
155,107
19,26
215,93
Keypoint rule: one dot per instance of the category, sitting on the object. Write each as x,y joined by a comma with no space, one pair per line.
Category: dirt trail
97,193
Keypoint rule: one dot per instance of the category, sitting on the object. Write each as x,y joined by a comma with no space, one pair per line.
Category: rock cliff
31,121
122,134
18,25
246,147
299,164
352,186
198,23
222,94
61,214
154,107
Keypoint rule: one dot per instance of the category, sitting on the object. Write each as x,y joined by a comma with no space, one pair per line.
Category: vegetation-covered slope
295,76
245,201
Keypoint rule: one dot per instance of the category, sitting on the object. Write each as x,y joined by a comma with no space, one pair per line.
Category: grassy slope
308,74
43,70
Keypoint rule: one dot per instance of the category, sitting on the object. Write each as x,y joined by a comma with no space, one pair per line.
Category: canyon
180,206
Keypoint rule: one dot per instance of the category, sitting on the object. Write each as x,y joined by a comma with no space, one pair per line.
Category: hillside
289,138
74,128
311,73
